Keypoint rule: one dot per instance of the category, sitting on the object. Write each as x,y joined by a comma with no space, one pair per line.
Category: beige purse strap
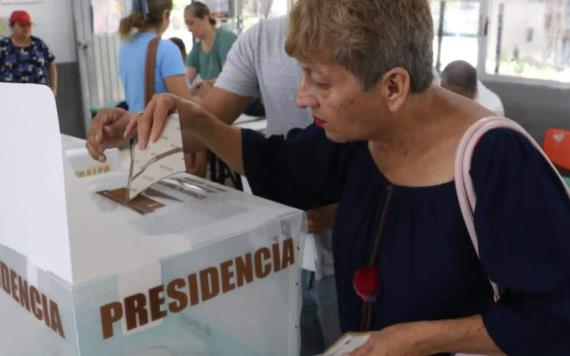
150,64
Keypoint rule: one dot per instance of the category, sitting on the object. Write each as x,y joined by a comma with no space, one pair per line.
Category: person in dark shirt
25,58
383,145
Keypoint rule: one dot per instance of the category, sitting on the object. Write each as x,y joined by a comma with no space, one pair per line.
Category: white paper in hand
161,159
346,344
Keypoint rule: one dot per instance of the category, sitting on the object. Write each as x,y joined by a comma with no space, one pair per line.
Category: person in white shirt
460,77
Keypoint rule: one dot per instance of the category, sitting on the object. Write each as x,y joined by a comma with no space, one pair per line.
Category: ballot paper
346,344
159,160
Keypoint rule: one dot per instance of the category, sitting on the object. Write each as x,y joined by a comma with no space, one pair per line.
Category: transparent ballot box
210,271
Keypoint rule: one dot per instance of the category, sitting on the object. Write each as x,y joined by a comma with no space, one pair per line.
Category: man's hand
107,129
200,90
321,219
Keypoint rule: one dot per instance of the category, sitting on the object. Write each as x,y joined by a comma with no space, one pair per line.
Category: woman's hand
397,340
150,123
106,131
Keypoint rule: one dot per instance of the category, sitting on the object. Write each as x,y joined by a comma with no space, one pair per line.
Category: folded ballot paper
159,160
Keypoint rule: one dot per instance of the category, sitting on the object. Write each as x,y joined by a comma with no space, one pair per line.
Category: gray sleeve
239,74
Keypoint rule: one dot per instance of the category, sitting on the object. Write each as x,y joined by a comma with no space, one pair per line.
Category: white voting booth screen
82,275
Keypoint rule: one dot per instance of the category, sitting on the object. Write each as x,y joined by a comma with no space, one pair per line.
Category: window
456,28
520,38
542,52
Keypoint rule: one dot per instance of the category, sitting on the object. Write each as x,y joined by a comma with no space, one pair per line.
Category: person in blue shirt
149,19
383,145
25,58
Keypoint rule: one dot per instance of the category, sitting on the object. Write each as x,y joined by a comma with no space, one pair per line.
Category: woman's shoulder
510,152
38,41
226,34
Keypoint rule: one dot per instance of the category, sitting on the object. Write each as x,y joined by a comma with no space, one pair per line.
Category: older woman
384,145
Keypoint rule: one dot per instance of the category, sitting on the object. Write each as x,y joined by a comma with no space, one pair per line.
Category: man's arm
52,73
225,105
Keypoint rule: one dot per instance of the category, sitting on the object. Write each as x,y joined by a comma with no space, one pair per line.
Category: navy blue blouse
24,64
428,266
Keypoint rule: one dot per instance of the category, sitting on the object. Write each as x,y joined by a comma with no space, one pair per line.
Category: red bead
366,283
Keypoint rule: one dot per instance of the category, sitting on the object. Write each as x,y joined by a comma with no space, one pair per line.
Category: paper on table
347,343
159,160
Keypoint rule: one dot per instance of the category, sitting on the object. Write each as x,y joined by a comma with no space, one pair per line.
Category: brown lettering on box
35,301
110,313
262,269
209,283
55,319
5,277
276,257
198,286
14,285
227,274
244,269
24,295
156,301
46,310
30,299
180,300
193,289
135,311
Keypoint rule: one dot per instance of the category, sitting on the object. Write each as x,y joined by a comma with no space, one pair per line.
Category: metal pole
440,34
500,24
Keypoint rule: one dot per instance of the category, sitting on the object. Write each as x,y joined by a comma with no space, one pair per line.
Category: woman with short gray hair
384,145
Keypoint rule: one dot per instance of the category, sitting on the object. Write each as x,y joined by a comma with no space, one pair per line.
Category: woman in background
25,58
208,55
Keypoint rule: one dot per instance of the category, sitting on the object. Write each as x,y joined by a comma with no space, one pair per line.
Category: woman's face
21,31
338,102
197,26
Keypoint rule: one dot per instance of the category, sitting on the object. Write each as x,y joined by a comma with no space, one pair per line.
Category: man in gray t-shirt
257,65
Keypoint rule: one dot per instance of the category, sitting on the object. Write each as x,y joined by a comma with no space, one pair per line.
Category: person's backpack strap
463,181
150,64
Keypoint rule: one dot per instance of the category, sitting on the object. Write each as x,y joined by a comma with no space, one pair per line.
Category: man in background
461,77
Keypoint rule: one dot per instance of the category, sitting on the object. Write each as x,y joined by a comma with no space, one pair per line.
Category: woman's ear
395,87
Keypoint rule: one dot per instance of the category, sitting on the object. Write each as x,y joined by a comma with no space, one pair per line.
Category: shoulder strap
463,181
150,64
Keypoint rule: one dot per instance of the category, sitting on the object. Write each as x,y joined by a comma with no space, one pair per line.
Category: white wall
53,23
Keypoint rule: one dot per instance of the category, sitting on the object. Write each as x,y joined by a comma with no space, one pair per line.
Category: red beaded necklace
366,280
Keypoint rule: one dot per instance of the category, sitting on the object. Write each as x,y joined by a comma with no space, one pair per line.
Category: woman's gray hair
368,37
